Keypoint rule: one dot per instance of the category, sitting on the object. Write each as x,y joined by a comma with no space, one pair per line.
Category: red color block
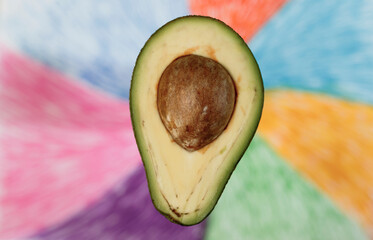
245,16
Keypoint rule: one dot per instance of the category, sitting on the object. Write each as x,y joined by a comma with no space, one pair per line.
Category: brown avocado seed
196,98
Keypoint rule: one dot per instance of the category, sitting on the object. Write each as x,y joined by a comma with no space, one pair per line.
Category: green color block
267,199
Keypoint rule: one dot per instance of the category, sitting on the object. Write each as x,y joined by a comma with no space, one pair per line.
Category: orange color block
245,16
328,140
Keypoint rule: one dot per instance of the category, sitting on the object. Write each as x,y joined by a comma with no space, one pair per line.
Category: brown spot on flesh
190,50
211,52
176,212
196,98
243,110
204,196
200,179
237,89
204,149
239,79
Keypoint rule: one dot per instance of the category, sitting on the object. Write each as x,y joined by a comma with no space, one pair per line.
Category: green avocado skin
240,145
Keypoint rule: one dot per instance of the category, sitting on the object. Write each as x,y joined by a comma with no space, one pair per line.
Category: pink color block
62,145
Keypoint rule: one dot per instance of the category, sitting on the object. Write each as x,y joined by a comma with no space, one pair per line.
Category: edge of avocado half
185,186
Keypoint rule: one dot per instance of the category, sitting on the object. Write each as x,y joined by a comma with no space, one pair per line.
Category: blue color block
92,40
319,46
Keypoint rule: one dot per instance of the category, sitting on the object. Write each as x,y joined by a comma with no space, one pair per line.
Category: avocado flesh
185,186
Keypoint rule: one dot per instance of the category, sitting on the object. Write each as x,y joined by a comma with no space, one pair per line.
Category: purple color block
126,212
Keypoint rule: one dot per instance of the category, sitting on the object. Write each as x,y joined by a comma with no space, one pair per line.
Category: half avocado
196,100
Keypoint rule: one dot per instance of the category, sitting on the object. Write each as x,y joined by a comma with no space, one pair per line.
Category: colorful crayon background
69,165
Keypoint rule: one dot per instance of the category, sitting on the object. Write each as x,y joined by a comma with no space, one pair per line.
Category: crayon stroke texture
69,165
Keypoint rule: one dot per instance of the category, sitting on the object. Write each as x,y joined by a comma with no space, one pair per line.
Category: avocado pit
195,99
